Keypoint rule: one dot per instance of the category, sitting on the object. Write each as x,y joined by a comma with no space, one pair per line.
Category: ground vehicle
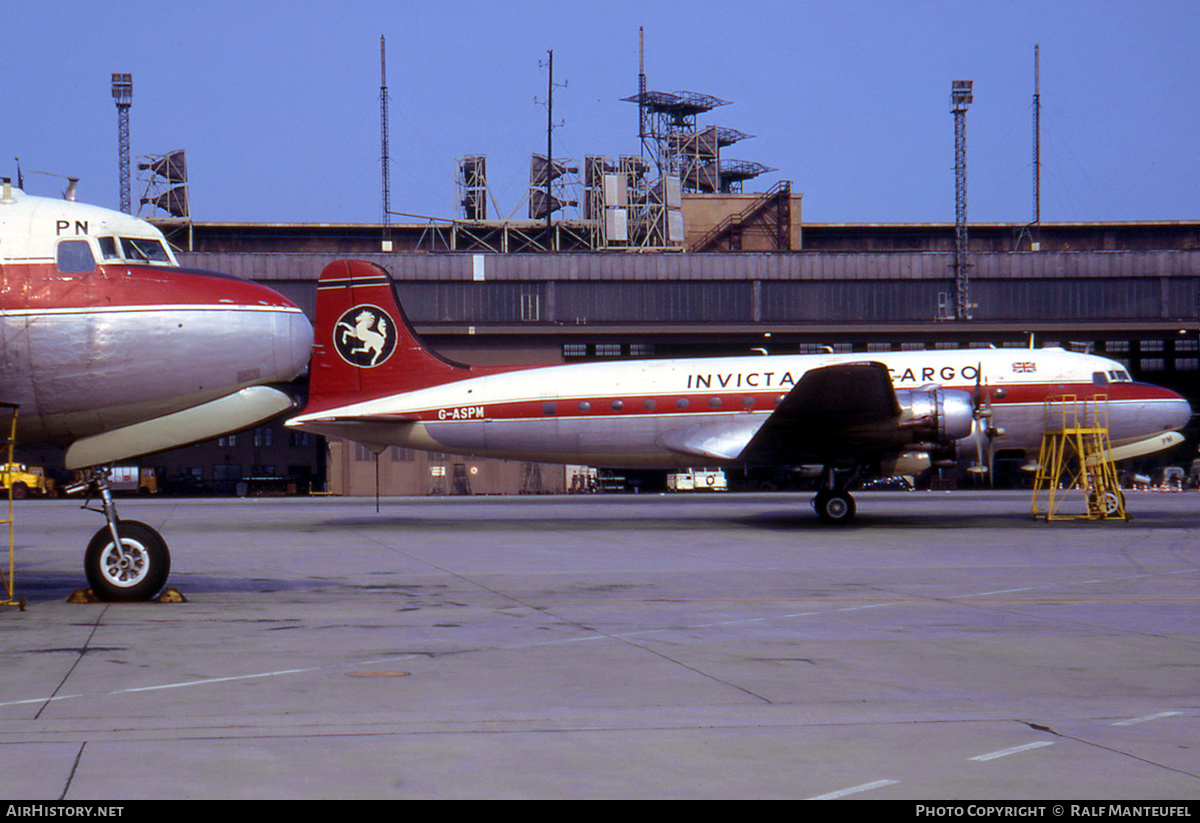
25,480
697,480
133,479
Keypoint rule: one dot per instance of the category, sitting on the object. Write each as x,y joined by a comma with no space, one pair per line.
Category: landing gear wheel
834,507
137,572
1112,503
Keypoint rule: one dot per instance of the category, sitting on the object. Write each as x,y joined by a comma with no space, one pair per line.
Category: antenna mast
642,135
541,188
383,139
1037,137
549,142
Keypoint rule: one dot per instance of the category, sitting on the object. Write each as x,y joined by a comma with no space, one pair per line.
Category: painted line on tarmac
865,787
584,638
202,682
1014,750
1135,720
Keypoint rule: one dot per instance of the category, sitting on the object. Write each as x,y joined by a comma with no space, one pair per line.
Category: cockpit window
1099,378
144,250
75,257
1120,376
108,248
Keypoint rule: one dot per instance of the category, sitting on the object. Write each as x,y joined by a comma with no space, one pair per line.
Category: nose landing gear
126,560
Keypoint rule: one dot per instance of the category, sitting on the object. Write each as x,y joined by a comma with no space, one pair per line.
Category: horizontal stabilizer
296,422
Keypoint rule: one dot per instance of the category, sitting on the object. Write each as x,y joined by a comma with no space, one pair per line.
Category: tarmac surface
944,646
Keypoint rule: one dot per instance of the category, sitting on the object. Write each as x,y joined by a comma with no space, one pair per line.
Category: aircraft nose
295,346
253,331
1178,412
284,328
1164,409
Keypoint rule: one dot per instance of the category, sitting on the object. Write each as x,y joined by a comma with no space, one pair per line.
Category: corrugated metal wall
729,288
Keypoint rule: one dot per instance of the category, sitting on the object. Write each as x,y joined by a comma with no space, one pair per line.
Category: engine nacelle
936,415
909,462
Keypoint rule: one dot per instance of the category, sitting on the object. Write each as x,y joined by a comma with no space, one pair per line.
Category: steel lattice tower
122,92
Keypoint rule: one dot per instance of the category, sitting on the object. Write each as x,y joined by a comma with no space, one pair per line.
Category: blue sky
277,104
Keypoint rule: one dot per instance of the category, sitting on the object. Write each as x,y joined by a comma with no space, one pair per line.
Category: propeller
982,431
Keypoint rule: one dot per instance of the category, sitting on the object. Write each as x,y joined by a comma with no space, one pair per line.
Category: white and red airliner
374,382
112,350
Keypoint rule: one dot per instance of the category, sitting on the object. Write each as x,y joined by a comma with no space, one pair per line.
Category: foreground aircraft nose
188,356
253,334
290,336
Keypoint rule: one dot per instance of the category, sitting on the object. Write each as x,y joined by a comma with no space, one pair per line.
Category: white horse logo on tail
363,336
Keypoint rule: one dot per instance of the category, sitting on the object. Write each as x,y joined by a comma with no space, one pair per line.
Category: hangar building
749,276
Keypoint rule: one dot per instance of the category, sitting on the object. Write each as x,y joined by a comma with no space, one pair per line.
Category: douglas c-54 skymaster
374,382
111,349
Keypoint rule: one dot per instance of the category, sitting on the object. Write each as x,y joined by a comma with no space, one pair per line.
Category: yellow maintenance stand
7,444
1076,478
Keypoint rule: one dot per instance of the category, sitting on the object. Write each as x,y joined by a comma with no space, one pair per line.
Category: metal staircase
769,215
1076,478
7,579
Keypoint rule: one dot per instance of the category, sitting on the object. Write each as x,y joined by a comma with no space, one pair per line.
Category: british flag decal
1025,367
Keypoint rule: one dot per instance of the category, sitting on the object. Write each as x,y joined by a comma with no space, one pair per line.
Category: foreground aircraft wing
834,411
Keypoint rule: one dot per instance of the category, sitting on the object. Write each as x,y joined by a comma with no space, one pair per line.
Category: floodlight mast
961,96
122,92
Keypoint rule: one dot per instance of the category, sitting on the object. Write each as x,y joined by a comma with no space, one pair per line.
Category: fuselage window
549,407
144,250
75,257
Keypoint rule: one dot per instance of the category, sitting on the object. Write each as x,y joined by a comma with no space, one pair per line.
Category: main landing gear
835,507
833,503
126,560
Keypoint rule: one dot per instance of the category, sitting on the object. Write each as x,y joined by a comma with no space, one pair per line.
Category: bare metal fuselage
87,353
676,413
108,346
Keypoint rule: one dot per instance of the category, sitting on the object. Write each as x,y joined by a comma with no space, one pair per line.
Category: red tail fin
364,344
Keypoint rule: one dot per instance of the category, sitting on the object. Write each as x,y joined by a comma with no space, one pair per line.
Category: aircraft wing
834,411
717,441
